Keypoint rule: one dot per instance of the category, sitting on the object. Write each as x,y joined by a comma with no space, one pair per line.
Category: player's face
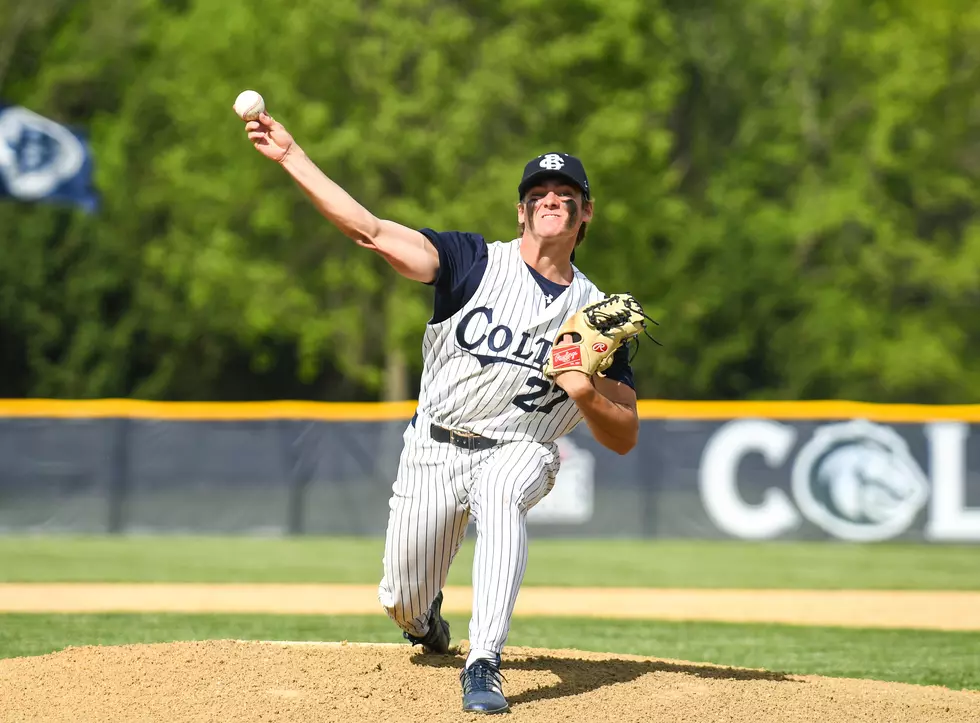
553,209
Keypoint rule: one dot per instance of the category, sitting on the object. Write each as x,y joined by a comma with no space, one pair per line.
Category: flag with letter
44,161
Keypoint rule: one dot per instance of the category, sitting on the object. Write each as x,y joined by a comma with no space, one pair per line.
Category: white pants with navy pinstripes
439,488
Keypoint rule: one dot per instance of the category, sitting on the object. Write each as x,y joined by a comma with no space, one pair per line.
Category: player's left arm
608,407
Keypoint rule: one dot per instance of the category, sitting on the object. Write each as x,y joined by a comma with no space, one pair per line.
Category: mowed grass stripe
553,562
919,657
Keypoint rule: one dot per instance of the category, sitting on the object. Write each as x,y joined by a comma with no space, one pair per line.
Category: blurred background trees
791,187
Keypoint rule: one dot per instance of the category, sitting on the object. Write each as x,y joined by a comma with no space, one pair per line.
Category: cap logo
553,162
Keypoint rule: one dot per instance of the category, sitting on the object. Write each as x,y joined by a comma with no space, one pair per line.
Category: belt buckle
462,439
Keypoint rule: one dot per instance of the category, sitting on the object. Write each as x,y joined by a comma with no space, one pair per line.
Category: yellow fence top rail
199,411
382,411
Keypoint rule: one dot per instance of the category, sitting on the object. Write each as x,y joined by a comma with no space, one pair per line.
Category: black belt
466,440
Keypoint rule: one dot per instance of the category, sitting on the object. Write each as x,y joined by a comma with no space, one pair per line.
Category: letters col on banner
856,480
44,161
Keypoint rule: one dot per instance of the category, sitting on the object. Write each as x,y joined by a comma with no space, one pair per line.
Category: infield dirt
922,609
242,682
249,682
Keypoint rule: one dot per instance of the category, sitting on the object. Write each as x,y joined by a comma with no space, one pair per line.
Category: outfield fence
767,470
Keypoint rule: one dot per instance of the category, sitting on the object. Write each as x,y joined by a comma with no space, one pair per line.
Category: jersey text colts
482,366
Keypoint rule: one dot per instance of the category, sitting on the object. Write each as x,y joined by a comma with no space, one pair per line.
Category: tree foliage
790,186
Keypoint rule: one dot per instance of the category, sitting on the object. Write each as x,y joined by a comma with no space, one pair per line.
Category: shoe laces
483,676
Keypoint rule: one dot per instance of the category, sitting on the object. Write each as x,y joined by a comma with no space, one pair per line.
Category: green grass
921,657
932,658
646,563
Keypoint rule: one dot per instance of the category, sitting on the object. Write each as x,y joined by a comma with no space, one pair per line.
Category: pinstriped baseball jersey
482,365
493,324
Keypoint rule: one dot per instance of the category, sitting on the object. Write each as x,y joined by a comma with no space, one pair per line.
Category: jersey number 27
531,402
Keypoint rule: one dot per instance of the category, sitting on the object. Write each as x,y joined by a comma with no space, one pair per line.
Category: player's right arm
408,251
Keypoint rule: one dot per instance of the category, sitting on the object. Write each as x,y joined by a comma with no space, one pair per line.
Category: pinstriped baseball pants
439,488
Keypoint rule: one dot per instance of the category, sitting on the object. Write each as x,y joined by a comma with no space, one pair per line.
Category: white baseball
248,105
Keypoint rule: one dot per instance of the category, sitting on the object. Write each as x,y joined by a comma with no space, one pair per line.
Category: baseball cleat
436,640
482,691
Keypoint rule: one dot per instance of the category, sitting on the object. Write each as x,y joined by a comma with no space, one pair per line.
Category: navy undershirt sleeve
620,369
462,263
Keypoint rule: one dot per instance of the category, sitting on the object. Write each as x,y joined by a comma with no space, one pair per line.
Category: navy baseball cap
554,165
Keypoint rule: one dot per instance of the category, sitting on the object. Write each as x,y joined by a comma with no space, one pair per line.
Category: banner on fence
791,474
854,480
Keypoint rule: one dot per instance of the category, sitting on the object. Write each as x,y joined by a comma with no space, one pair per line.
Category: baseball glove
597,330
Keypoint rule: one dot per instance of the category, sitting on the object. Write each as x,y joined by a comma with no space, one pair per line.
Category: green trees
842,176
791,187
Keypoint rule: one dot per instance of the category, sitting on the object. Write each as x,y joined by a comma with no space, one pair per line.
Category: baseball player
501,381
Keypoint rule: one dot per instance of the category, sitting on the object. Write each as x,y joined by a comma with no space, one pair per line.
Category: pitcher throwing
521,347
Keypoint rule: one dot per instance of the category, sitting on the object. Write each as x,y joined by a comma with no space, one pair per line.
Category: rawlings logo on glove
597,331
566,357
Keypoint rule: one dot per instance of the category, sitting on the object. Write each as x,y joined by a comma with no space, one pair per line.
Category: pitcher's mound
235,681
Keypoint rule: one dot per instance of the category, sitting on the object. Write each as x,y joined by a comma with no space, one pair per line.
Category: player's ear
520,212
587,208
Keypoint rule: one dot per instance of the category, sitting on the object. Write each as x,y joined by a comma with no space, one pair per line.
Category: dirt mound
244,682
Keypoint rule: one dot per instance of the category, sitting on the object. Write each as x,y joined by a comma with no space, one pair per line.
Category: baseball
248,105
